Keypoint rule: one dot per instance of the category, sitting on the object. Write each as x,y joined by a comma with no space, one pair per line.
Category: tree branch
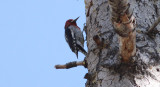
71,65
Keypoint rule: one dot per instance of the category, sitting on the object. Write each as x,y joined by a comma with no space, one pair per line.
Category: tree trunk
105,68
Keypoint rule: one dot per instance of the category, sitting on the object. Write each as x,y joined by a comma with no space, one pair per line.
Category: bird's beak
75,19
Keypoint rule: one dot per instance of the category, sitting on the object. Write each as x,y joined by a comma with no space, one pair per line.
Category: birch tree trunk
105,68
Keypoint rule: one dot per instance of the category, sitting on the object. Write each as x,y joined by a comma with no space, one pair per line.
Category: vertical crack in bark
91,3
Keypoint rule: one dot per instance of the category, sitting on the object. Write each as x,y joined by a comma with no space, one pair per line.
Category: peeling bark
124,24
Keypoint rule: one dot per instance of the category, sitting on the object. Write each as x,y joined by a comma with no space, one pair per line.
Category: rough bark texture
105,68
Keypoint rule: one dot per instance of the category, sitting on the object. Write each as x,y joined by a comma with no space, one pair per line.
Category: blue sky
32,42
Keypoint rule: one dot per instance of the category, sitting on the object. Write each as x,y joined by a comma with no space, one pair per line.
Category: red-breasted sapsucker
74,37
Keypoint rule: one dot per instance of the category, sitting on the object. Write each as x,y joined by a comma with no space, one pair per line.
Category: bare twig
154,25
71,64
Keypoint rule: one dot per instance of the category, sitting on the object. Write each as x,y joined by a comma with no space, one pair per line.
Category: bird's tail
81,49
76,53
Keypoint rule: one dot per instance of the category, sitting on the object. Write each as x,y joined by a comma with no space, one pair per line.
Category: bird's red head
71,22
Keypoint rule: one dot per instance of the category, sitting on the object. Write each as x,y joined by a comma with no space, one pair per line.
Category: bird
74,37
